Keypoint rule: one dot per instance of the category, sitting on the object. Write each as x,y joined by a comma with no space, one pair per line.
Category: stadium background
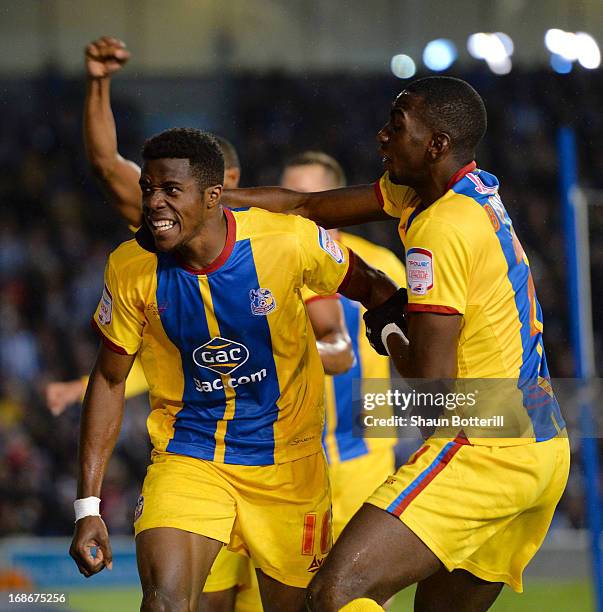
275,78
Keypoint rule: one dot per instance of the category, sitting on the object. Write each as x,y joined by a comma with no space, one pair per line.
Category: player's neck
439,181
431,190
200,252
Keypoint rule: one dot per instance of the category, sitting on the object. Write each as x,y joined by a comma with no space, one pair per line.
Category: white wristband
392,328
88,506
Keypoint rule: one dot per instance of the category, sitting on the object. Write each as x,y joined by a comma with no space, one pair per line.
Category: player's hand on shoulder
105,56
91,532
386,319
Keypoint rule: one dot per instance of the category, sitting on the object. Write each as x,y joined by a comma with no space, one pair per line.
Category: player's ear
212,195
439,145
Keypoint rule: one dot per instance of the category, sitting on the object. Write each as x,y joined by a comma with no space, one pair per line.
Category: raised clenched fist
105,56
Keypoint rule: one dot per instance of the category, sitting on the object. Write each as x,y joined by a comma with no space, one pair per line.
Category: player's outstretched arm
332,338
330,209
100,424
119,176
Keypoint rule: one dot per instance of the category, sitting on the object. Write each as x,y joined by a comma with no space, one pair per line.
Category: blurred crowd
57,230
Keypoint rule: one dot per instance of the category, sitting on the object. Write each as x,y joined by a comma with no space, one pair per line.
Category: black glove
390,313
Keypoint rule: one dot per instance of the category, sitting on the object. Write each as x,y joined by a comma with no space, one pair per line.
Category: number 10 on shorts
309,533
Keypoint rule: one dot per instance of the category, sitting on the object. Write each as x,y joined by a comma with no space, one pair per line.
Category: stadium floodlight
502,66
478,44
439,54
560,65
403,66
562,43
495,49
572,46
589,54
555,40
506,41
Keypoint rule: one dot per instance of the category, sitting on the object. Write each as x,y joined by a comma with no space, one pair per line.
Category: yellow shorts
229,570
354,480
248,596
485,509
279,515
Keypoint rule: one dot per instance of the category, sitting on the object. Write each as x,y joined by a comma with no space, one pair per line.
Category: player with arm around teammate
464,516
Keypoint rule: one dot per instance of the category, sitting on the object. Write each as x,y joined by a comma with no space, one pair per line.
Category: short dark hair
200,148
451,105
231,157
310,158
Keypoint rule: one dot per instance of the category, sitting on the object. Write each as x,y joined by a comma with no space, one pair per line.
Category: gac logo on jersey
232,382
262,301
221,355
419,270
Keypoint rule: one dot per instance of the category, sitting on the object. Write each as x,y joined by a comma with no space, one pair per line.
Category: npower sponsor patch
419,270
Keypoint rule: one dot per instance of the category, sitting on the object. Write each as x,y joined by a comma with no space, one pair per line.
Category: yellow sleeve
136,383
116,316
397,200
324,261
307,294
438,263
84,380
311,296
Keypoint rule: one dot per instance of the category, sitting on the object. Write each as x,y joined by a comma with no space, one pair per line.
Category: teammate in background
357,465
119,176
61,395
238,459
363,462
465,515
